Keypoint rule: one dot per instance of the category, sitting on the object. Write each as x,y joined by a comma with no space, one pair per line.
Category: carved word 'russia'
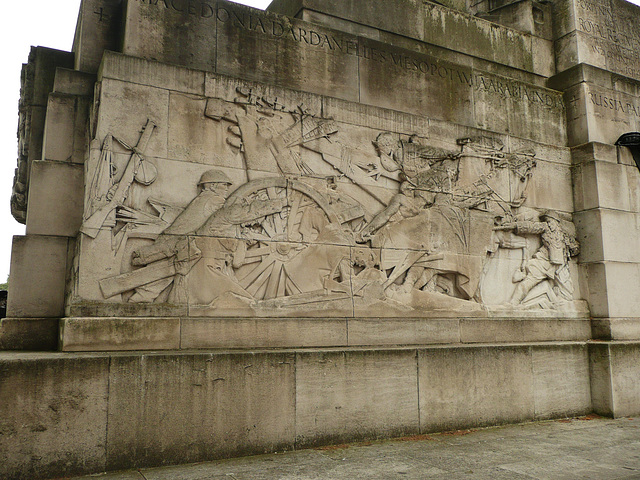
614,104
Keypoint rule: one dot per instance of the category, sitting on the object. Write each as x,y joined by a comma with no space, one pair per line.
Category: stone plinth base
36,334
615,369
178,333
71,413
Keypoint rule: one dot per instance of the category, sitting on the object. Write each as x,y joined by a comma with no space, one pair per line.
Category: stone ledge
173,333
627,329
38,334
421,21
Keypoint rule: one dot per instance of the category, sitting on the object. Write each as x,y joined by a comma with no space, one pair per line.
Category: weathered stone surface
35,334
262,333
37,81
167,409
98,29
113,334
411,331
603,34
607,113
561,381
53,415
38,275
481,38
354,394
400,191
614,365
55,199
464,386
616,328
476,330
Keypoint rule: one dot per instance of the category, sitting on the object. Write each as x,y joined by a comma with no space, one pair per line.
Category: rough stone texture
561,382
37,81
262,333
614,368
53,415
35,334
98,29
118,411
398,190
187,408
538,450
600,34
56,201
481,38
355,395
38,275
615,328
95,334
463,387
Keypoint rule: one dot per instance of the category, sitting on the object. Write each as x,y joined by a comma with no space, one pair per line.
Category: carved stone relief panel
315,217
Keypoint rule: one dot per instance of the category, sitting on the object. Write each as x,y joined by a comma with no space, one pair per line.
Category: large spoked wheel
277,239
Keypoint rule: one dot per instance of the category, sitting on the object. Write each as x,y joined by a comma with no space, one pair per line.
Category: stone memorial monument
250,231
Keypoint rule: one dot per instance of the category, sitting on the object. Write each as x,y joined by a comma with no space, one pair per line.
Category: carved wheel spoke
266,276
274,280
252,276
263,278
293,224
278,222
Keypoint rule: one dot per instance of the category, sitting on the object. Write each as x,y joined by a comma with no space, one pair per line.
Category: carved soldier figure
405,204
551,261
204,243
214,188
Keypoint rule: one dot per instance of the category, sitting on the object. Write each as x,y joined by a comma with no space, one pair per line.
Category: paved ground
586,448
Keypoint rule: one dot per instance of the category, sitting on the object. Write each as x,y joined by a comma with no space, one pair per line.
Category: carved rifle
92,225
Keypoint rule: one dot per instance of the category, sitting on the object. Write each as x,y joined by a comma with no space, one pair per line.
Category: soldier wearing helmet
214,189
551,261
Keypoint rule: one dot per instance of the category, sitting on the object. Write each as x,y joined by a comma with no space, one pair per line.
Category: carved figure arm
382,218
240,213
524,228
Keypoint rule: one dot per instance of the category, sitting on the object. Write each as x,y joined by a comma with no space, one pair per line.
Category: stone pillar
53,199
596,55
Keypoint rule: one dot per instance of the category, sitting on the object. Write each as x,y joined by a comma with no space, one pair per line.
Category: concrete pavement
584,448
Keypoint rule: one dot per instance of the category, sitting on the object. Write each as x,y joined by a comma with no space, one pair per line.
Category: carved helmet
550,214
214,176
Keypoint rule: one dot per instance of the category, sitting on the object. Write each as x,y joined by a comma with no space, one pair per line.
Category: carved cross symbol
573,103
103,16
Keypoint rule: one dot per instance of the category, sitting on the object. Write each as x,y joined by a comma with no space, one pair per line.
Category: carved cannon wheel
264,273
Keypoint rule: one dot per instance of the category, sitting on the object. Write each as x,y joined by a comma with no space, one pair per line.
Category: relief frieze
327,218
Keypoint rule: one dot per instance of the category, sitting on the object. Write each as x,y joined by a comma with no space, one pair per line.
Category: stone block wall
69,414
